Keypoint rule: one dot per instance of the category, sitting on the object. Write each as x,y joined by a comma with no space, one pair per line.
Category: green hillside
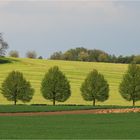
34,71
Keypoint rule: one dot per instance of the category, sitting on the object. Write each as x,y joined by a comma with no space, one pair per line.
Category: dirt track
95,111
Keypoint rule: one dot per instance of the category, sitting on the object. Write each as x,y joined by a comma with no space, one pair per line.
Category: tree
15,87
70,55
3,46
130,85
112,58
95,88
83,56
56,56
31,54
14,54
73,54
137,59
95,55
55,86
103,57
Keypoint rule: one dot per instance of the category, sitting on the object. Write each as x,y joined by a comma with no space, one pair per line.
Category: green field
35,108
107,126
76,72
50,108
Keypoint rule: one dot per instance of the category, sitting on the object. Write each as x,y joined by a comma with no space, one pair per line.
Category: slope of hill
76,72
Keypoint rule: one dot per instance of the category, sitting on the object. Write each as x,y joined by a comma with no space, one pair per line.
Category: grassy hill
76,72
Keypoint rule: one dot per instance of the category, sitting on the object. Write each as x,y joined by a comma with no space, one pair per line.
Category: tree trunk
15,102
94,102
54,98
15,98
133,102
54,101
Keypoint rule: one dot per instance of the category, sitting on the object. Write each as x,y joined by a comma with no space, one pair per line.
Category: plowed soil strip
93,111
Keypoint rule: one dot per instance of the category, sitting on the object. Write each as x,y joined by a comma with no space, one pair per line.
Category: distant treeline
83,54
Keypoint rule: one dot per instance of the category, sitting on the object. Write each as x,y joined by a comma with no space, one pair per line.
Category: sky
47,26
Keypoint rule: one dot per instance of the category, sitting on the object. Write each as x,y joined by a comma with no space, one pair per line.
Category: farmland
66,126
76,72
58,108
106,126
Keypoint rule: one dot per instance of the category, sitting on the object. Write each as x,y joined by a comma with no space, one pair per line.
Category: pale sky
57,25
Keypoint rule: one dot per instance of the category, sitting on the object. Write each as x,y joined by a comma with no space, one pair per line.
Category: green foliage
95,88
56,55
15,87
50,108
137,59
83,54
130,85
74,54
96,55
103,57
55,86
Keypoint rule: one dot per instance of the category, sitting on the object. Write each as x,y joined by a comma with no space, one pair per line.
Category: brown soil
95,111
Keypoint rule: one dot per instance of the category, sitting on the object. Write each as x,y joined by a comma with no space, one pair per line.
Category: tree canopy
55,86
15,88
130,85
95,88
94,55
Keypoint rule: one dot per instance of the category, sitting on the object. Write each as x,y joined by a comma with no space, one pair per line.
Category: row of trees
4,46
56,87
77,54
29,54
83,54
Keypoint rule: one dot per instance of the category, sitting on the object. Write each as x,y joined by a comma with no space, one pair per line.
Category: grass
4,60
104,126
76,72
49,108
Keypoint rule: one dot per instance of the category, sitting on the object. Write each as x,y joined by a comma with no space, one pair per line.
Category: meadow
103,126
35,69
